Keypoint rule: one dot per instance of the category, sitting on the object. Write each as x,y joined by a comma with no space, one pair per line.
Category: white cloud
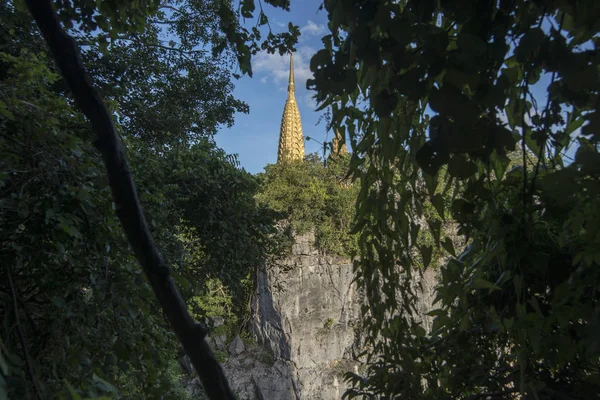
310,101
313,29
277,68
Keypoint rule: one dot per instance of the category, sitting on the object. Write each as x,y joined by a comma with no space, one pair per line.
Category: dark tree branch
128,209
136,39
13,292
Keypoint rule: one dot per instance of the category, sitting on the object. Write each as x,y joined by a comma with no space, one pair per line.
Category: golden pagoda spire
338,145
291,139
291,86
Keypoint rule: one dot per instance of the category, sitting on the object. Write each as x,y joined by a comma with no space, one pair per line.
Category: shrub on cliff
312,195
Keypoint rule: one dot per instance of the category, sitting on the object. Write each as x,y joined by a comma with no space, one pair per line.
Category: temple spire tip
291,81
291,139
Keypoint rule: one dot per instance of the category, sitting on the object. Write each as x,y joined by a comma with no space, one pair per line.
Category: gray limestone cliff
307,312
306,320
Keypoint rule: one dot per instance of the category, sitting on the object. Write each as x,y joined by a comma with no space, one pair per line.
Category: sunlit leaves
438,202
310,196
244,42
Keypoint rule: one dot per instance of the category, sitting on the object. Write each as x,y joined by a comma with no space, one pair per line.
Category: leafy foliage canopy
312,196
76,301
421,85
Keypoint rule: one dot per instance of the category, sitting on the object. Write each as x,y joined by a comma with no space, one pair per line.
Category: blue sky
254,137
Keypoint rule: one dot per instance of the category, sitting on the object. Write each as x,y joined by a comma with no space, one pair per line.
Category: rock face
253,375
306,310
306,315
236,347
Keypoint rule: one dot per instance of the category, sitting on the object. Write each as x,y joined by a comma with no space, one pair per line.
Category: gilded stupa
291,139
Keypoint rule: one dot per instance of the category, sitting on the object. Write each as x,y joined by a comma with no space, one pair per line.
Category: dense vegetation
72,294
516,311
434,96
313,196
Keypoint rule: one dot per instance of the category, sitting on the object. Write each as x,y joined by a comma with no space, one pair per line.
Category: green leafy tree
76,308
72,270
516,309
311,196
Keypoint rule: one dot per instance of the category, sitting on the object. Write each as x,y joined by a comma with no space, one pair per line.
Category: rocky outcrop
306,316
306,312
254,374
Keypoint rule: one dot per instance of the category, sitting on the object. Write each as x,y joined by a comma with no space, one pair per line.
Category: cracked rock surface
306,311
306,319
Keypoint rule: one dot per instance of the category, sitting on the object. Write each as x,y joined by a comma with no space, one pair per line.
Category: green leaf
592,128
471,44
133,311
431,183
574,125
262,19
508,323
414,232
534,334
426,252
481,283
438,203
72,392
248,8
462,208
499,162
104,385
436,312
459,79
588,159
449,246
464,323
514,74
518,283
435,227
531,141
3,365
3,388
529,44
430,159
319,60
420,331
461,168
4,111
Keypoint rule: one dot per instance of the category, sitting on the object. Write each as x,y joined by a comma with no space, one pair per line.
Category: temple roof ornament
291,139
